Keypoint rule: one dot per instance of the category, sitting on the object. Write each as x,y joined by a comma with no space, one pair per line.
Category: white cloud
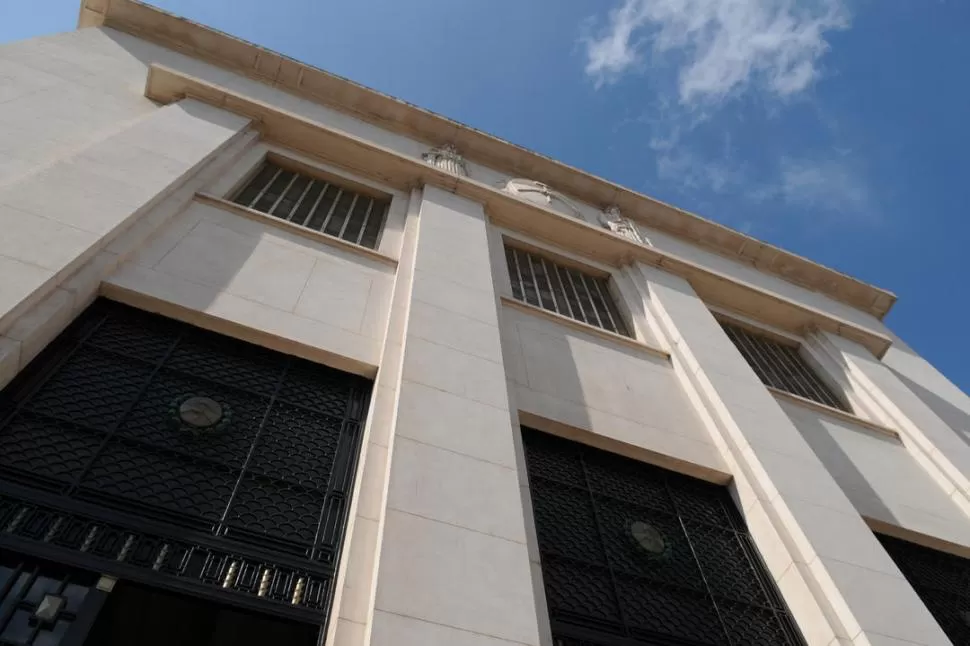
830,184
719,46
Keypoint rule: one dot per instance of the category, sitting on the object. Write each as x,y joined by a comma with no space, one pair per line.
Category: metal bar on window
579,301
333,206
316,204
282,194
265,188
517,279
300,201
350,214
589,295
363,225
605,299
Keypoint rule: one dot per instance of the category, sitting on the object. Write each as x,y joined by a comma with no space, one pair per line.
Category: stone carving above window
447,158
612,218
539,193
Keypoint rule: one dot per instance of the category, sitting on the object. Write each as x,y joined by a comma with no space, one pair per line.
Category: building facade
285,360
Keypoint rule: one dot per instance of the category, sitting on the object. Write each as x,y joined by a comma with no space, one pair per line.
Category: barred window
315,204
565,290
780,366
634,554
941,581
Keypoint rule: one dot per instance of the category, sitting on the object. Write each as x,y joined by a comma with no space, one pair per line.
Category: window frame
829,386
610,293
317,174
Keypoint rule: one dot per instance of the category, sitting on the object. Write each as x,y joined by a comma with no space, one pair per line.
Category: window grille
941,580
145,448
315,204
635,554
565,290
781,366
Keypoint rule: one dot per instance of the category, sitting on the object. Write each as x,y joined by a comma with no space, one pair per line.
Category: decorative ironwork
941,580
780,366
40,602
544,283
634,554
254,503
316,204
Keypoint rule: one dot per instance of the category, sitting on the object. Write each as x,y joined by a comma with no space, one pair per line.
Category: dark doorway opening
137,614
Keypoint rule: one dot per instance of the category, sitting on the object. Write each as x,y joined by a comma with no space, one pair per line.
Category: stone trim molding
834,412
295,229
636,344
231,53
402,172
447,158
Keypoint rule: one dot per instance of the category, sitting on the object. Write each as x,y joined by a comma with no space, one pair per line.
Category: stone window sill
269,220
834,412
585,327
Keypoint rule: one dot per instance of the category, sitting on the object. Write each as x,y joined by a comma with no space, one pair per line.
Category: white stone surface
880,477
456,577
595,384
456,489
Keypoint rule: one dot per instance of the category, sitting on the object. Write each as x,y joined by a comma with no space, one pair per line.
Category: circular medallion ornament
649,539
199,415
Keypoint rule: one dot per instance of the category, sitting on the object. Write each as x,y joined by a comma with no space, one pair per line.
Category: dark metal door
157,452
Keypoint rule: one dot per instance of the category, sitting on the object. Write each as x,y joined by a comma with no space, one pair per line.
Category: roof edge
317,85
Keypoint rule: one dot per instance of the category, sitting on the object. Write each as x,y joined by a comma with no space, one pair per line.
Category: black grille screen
160,446
941,580
635,554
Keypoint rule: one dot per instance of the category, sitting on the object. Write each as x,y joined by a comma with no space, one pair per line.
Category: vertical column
841,585
454,566
930,435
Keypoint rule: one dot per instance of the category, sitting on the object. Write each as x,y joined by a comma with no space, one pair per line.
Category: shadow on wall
955,418
840,465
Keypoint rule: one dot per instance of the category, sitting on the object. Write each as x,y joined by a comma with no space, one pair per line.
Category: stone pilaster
454,565
841,585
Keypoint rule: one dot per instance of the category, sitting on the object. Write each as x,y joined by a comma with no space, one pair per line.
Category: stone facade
112,184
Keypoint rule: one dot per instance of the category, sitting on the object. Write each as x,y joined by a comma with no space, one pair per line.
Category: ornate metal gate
154,451
941,580
636,555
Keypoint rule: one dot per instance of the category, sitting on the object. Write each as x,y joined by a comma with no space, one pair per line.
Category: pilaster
453,565
841,585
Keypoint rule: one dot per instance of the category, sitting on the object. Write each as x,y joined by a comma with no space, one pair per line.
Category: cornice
403,172
395,115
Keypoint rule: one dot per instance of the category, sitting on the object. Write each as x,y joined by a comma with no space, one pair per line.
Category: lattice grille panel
941,580
636,555
97,450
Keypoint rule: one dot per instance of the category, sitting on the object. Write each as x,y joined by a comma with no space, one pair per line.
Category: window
138,446
315,204
565,290
780,366
635,554
941,580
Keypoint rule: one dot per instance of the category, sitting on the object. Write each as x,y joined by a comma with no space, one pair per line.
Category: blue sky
834,128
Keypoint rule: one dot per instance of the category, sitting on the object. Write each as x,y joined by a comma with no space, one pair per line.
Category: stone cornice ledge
612,337
372,160
834,412
295,229
317,85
